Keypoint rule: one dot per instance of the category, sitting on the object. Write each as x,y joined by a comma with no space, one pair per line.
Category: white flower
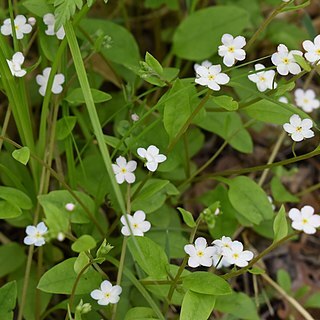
42,81
32,21
211,77
61,236
231,49
237,255
153,157
283,99
124,170
263,79
306,100
304,219
49,20
20,24
271,202
225,243
207,64
107,293
217,212
284,60
135,117
200,254
35,235
223,246
137,223
313,49
15,65
70,206
299,129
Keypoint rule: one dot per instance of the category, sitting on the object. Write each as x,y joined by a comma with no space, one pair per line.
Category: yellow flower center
107,295
299,129
231,49
200,253
305,100
38,235
235,255
135,225
16,27
123,170
318,51
211,77
304,221
285,60
262,79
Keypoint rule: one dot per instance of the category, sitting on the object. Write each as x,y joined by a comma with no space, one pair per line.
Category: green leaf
304,4
225,102
39,8
65,127
9,210
83,243
140,313
302,62
12,257
197,306
284,280
279,192
64,10
153,63
313,301
8,297
187,217
280,225
199,35
22,155
16,197
81,262
249,199
256,270
149,256
76,98
206,283
61,278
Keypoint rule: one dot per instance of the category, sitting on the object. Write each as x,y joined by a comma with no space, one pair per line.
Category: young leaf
206,283
83,243
280,226
22,155
149,256
8,297
76,98
153,63
16,197
225,102
65,126
12,257
302,62
284,280
256,270
197,306
313,301
187,217
64,10
279,192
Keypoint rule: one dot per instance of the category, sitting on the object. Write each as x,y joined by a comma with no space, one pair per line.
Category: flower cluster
304,220
223,253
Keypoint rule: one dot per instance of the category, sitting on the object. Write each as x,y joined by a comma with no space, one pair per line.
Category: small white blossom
299,129
135,117
32,21
222,246
305,220
15,65
231,49
306,100
313,49
211,77
70,206
124,170
49,20
237,255
217,212
61,236
20,24
35,235
107,293
283,99
207,64
263,79
153,157
284,60
271,202
199,253
137,222
42,81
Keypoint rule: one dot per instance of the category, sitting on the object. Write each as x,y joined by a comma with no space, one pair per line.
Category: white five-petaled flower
15,65
306,100
237,255
137,224
231,49
207,64
107,293
49,20
222,246
42,81
124,170
211,77
313,49
35,235
285,61
299,129
199,253
263,79
20,24
304,220
153,157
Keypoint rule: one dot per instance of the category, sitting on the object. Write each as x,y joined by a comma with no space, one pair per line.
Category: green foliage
284,280
76,98
280,226
279,192
12,257
187,218
64,10
22,155
84,243
65,127
8,296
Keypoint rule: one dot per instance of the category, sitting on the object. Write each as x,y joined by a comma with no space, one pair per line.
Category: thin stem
305,314
5,124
